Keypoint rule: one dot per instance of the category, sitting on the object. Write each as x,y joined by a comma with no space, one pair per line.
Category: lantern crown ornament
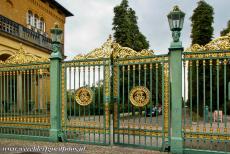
176,21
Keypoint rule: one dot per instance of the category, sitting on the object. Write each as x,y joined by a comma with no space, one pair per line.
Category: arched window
36,21
30,18
42,24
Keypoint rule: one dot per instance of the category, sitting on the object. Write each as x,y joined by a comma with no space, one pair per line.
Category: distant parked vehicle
155,111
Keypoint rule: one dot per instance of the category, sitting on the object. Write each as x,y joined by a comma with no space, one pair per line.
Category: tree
127,33
225,31
202,33
202,20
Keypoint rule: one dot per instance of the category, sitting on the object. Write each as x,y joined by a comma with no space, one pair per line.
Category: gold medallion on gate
139,96
84,96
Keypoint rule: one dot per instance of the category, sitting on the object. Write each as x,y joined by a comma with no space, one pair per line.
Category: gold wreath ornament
84,96
139,96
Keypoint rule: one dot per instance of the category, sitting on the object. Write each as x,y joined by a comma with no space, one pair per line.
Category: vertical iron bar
145,67
204,95
99,102
218,93
210,69
156,106
139,122
94,106
134,69
128,104
197,93
123,98
151,99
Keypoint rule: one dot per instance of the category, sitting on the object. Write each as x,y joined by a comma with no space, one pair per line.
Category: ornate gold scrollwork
220,43
139,96
112,49
21,57
84,96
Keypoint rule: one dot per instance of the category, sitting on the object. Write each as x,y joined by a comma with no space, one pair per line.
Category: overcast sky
92,22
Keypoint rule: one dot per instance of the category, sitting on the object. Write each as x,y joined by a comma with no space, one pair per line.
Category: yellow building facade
28,22
25,38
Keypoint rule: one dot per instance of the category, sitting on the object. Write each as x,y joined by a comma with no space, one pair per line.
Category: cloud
92,22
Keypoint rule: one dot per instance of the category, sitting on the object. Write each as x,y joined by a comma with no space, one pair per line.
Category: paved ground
82,148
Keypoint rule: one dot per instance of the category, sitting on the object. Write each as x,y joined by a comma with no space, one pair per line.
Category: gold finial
176,8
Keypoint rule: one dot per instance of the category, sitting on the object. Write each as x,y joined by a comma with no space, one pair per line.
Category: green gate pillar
176,18
175,58
55,77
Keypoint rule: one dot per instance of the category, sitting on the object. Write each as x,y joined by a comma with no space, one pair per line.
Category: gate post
55,77
175,58
176,19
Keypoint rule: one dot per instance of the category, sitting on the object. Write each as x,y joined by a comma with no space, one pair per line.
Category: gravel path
82,148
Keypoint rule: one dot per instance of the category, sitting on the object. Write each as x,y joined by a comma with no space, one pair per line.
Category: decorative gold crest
84,96
139,96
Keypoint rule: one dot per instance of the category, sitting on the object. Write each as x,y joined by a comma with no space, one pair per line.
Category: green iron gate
107,81
141,101
86,100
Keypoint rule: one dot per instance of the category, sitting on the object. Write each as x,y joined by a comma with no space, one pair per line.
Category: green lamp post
55,77
176,20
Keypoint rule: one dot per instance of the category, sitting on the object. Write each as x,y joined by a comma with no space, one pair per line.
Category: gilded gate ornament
220,43
22,57
84,96
112,49
139,96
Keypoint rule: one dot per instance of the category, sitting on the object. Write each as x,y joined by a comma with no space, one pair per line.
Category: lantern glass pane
181,22
170,23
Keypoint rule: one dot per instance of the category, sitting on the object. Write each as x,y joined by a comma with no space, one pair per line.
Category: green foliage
226,30
127,33
202,20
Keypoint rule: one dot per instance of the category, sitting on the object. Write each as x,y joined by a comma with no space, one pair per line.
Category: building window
30,18
36,21
42,25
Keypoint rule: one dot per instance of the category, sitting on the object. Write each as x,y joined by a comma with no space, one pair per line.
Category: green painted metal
207,131
137,126
88,123
175,60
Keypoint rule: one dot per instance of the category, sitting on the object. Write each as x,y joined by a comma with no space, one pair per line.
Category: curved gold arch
111,48
220,43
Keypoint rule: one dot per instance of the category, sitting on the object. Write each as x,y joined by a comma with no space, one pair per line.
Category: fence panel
141,105
85,101
25,100
206,116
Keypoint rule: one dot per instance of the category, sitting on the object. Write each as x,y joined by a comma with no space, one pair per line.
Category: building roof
59,6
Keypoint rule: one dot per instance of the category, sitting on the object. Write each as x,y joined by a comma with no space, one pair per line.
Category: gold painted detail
207,55
139,96
17,126
111,48
21,57
166,96
142,132
84,130
207,136
146,126
84,96
220,43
